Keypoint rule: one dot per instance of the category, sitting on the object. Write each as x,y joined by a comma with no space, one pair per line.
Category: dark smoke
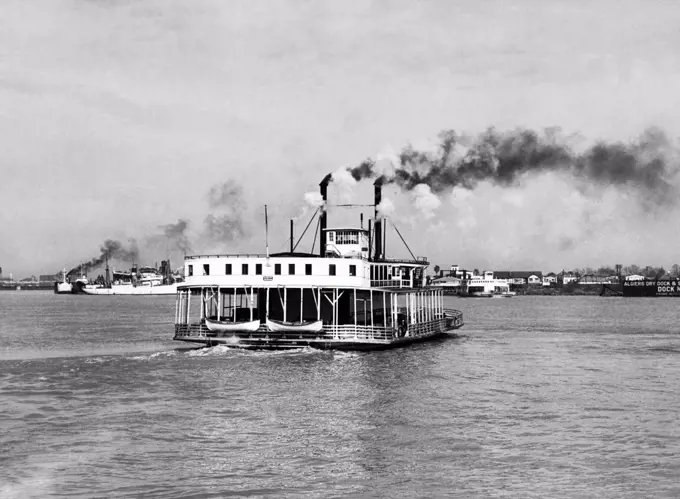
501,158
226,223
176,235
111,250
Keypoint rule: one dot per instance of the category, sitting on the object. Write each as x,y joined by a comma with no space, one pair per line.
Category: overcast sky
118,117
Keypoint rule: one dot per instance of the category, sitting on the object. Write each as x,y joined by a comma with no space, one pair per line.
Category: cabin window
227,269
244,268
277,268
258,269
206,269
331,237
191,270
353,270
347,237
331,269
308,269
291,269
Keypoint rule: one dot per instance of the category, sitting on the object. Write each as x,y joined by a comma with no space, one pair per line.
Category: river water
568,397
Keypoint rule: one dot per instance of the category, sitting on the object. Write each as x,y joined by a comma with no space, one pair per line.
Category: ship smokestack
323,220
377,193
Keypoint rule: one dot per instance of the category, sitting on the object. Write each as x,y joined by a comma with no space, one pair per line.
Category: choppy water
567,397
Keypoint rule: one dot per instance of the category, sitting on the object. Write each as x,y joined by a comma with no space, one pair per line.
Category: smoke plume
225,224
111,249
176,235
646,165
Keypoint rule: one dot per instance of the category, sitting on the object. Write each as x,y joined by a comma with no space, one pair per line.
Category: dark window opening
258,269
244,268
353,270
277,268
308,269
331,269
191,270
291,269
227,269
206,269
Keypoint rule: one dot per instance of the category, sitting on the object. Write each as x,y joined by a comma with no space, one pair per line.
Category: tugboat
348,296
63,287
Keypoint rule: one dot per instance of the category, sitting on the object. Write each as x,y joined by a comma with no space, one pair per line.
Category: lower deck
317,317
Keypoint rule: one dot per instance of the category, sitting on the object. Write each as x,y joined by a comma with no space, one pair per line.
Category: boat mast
266,233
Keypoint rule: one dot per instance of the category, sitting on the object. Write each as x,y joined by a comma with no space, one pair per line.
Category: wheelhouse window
353,270
308,269
244,268
331,269
206,269
291,269
227,269
347,237
258,269
191,270
277,268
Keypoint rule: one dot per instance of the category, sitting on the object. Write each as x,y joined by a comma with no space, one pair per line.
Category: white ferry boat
485,286
345,297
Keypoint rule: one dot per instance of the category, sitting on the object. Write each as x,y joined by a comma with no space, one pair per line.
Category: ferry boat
348,296
485,286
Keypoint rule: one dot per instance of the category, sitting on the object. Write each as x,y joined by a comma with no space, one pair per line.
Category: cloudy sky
119,117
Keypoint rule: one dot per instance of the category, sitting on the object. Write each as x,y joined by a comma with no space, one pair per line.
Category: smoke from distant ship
223,224
110,249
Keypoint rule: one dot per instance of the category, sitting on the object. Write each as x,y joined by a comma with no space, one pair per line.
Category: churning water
566,397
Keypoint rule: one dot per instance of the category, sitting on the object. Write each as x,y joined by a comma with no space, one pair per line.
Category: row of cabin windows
277,269
343,237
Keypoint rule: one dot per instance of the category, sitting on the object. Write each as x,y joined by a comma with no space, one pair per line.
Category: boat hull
63,288
652,288
329,338
169,289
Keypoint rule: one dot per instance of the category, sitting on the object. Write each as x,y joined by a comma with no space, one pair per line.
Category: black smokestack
377,198
646,164
323,220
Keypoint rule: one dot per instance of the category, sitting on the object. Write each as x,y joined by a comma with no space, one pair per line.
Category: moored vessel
142,281
486,286
63,287
348,296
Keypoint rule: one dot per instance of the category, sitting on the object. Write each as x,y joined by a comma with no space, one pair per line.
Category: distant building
550,279
520,277
568,277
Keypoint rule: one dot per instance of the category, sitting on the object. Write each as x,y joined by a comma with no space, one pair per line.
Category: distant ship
63,287
142,281
652,287
487,287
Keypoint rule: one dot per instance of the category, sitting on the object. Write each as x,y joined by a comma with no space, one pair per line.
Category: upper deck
301,270
348,257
